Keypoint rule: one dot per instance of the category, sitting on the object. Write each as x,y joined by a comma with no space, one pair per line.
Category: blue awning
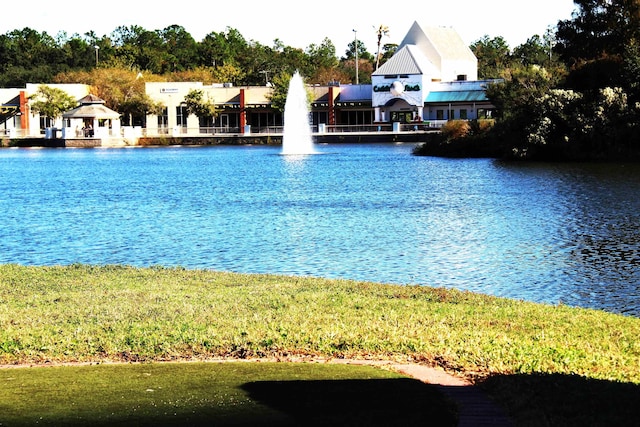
457,96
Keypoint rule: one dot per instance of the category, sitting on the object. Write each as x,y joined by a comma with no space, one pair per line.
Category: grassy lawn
217,394
532,358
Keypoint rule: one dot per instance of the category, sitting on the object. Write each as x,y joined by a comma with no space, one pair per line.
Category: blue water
551,233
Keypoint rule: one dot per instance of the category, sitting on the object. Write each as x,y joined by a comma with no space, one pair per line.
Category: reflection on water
553,233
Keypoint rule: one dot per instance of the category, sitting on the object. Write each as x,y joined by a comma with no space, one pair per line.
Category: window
484,113
439,114
356,117
462,77
264,119
45,122
163,119
181,115
463,114
319,117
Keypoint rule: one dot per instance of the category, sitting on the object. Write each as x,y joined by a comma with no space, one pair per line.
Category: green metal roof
457,96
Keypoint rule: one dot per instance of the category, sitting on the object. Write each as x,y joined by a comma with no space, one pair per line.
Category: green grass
117,313
217,394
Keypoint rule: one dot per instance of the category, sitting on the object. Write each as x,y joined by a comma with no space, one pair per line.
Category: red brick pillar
332,106
243,112
24,109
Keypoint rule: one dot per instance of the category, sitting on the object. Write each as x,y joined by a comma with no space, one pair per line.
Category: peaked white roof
445,40
407,60
432,46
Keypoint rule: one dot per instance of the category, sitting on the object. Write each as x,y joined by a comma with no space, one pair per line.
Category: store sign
407,87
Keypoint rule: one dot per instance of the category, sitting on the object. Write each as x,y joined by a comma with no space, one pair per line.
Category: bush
455,129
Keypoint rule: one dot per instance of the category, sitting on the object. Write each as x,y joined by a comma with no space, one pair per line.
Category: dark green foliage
493,56
27,56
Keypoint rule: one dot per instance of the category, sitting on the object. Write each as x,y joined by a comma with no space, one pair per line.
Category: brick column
332,106
24,109
243,112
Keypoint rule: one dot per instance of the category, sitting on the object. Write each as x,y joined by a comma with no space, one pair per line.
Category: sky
297,24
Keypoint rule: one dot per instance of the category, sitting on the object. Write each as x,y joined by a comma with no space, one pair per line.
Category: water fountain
297,137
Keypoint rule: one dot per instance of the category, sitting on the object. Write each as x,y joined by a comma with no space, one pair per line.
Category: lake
551,233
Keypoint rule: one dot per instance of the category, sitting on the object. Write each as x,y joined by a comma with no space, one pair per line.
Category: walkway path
475,409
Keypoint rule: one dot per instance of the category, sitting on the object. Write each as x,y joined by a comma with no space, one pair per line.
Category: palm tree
382,30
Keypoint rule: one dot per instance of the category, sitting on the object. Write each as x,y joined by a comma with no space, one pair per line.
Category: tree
322,55
76,52
532,52
388,50
218,49
141,48
596,27
280,90
365,62
280,87
381,31
180,50
197,104
514,97
362,51
595,41
494,57
28,56
51,102
228,73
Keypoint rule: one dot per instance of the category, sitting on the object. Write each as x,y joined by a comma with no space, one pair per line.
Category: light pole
266,77
97,48
355,48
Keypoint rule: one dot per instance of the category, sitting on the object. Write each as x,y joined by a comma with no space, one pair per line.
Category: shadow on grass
377,402
565,400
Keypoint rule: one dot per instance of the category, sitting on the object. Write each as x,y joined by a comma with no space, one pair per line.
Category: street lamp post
97,48
355,48
266,77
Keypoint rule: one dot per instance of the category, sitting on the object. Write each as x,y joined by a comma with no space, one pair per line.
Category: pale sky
296,24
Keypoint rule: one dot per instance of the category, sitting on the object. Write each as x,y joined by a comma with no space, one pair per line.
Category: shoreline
222,139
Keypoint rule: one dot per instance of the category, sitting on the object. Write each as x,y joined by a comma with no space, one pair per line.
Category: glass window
181,115
163,119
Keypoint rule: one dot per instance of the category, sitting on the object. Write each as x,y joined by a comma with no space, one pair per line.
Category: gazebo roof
91,99
91,107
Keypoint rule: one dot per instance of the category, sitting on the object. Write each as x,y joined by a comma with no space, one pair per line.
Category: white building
431,77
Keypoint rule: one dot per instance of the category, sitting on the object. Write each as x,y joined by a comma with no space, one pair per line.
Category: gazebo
92,119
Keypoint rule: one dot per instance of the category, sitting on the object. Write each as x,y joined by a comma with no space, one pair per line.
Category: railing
14,133
133,132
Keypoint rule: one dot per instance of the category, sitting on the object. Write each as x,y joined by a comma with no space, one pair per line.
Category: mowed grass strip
238,394
83,313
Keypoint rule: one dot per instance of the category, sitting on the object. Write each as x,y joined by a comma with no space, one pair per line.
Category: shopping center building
432,78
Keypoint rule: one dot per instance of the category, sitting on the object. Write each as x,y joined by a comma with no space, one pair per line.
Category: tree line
29,56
